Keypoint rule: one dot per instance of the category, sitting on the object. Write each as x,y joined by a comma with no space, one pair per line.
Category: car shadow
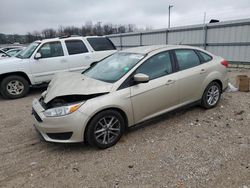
36,91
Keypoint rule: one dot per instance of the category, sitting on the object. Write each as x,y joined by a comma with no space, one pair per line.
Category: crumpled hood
74,84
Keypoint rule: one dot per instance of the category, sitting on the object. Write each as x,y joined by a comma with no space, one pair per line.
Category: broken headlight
62,110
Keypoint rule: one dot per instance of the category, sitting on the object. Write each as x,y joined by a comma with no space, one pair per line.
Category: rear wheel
105,129
211,95
13,87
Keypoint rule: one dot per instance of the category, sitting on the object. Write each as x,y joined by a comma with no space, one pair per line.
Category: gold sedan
127,88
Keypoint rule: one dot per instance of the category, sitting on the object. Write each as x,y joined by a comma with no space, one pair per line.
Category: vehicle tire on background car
211,95
14,86
105,129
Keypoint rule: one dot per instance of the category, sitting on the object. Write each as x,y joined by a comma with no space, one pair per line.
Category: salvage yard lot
187,148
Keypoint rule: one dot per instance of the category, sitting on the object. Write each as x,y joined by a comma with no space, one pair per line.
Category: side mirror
38,55
141,78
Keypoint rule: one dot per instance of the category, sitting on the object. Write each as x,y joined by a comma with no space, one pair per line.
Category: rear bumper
65,129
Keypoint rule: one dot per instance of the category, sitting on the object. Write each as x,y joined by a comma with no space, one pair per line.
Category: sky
22,16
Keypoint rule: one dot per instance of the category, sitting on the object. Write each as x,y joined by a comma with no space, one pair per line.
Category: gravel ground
188,148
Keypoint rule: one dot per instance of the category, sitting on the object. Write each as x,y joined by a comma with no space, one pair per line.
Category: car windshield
27,52
114,67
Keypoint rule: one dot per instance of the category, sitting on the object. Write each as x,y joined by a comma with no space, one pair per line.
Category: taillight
224,63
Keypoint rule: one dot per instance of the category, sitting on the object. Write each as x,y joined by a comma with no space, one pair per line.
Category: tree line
89,29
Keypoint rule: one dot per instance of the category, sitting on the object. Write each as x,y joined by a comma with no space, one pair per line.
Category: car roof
13,46
153,48
68,37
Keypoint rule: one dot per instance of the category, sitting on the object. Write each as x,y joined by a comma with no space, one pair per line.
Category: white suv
41,60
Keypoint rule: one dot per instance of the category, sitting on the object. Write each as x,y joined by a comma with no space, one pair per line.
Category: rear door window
75,47
186,58
51,49
101,44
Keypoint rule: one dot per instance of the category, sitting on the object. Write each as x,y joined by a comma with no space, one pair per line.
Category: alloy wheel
107,130
213,95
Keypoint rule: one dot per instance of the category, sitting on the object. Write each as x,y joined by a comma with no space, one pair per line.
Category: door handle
170,82
203,71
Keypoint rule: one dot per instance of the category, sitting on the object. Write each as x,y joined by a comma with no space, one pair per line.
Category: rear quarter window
204,57
101,44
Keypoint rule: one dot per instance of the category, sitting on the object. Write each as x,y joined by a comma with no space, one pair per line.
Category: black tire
94,139
22,83
205,102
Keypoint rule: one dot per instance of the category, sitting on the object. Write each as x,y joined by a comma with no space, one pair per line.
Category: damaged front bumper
65,129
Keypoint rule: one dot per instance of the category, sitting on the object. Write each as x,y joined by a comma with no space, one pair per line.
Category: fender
215,75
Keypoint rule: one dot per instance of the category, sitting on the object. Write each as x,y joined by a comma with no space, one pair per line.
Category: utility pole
204,19
205,30
169,7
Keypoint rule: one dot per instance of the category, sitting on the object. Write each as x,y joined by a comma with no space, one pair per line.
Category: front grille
60,136
36,116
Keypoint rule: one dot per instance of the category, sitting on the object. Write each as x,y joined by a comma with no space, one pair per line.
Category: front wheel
211,96
105,129
13,87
